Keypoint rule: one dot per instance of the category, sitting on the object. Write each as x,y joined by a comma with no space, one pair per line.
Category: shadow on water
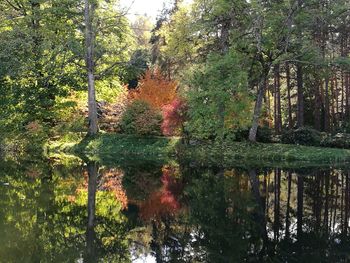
86,211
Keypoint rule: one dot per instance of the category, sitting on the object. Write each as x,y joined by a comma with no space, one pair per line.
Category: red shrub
174,115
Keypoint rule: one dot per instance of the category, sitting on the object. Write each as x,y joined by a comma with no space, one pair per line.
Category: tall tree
90,6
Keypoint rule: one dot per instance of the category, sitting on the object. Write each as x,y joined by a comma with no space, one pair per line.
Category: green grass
112,146
119,148
265,155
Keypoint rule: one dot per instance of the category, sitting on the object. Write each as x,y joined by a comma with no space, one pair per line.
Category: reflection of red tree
164,202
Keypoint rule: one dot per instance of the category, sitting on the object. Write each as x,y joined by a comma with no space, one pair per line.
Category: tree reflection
234,216
52,217
91,210
260,213
174,213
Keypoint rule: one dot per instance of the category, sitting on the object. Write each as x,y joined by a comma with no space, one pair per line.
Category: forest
216,131
218,70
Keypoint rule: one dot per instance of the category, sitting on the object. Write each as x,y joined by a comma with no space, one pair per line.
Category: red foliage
164,202
174,115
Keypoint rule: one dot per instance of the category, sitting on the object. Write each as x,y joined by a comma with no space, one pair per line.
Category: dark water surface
53,211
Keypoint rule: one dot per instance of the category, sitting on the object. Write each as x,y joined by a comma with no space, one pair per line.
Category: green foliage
55,215
139,118
109,90
38,57
302,136
218,87
42,59
263,135
344,127
139,63
339,140
179,48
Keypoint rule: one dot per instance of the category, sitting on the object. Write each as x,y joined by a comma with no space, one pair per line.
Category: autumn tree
155,89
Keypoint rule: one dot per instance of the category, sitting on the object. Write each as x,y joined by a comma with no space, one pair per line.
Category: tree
42,55
90,65
38,51
155,89
180,45
217,97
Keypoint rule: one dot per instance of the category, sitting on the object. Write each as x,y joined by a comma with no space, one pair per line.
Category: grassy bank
111,146
264,155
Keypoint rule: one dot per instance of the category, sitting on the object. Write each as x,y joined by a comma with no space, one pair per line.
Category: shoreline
226,154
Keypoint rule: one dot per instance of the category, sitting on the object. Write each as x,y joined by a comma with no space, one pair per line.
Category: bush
174,116
139,118
302,136
264,134
340,140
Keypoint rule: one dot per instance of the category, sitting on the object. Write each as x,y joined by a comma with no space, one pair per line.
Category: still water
54,211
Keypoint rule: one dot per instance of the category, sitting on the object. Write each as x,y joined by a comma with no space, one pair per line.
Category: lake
152,211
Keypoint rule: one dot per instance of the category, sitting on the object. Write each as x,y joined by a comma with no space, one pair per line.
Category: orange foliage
111,181
155,89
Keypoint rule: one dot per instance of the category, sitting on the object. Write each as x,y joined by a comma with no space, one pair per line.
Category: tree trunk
278,110
92,187
300,94
333,103
89,42
290,117
258,105
277,199
254,181
327,117
326,204
318,101
300,91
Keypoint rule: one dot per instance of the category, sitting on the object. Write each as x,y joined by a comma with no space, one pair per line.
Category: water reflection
92,168
51,212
